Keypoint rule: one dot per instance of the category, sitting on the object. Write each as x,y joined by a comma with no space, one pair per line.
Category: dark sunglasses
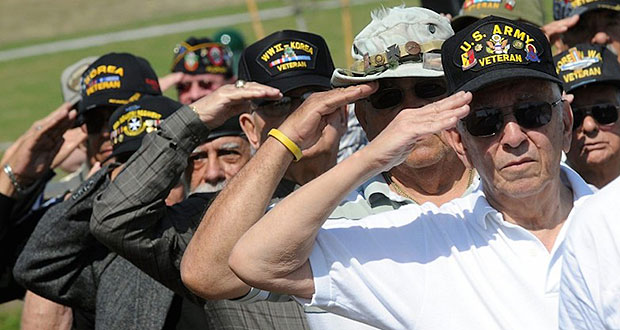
96,120
283,106
604,114
389,97
185,86
489,121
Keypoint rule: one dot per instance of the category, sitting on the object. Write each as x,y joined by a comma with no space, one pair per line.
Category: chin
521,187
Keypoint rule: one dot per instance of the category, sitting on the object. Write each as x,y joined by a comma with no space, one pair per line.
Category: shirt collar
485,212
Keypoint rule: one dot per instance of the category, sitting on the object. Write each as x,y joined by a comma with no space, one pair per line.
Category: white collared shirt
455,267
590,286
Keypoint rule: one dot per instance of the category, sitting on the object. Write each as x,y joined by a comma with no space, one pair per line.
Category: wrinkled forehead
223,142
514,91
210,77
407,82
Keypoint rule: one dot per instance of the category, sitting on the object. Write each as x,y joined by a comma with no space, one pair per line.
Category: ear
84,128
567,121
249,127
455,140
343,117
360,113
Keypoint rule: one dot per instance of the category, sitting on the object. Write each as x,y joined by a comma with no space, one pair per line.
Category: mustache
209,188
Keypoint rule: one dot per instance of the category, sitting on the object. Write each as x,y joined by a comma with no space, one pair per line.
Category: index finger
337,98
56,123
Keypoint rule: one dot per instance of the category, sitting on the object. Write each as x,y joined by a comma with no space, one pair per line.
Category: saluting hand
33,153
392,146
231,100
305,125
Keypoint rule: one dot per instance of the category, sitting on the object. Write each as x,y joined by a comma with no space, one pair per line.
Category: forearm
138,192
270,254
205,267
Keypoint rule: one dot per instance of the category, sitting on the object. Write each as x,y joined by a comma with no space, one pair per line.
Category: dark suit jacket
132,219
63,262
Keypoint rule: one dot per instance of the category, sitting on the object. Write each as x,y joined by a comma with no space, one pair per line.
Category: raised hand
32,154
304,126
392,146
554,30
230,100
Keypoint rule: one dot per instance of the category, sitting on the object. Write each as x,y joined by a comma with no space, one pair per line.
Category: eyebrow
230,145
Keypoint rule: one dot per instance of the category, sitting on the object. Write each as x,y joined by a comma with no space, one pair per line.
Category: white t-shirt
455,267
590,286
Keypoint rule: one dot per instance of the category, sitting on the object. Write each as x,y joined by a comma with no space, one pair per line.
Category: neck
438,183
542,213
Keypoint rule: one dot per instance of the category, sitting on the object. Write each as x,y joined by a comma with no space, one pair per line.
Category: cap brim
130,146
609,5
460,22
104,100
406,70
609,80
288,84
500,75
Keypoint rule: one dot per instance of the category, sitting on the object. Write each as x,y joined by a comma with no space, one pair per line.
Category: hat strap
410,51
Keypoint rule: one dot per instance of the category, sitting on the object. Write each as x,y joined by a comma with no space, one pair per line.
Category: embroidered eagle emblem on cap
497,43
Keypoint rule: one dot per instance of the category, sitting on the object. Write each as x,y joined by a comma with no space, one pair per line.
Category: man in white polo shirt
590,288
490,260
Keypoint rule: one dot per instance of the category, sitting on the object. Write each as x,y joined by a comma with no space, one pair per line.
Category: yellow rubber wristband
288,143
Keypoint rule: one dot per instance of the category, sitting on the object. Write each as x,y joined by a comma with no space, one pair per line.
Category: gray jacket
63,262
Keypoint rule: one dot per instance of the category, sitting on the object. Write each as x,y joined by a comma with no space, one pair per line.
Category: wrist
14,184
6,187
289,144
277,150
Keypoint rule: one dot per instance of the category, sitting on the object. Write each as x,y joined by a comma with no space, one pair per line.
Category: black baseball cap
567,8
116,79
288,60
129,123
230,127
586,64
202,55
496,49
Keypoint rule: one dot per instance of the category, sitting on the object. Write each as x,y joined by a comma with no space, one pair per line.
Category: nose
214,172
601,38
411,101
194,92
512,135
589,125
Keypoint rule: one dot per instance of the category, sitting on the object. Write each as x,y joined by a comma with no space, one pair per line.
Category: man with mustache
161,258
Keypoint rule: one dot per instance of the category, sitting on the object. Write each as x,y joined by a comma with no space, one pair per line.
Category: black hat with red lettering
287,60
586,64
496,49
116,79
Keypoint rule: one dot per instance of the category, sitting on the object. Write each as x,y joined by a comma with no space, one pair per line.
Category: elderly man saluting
489,260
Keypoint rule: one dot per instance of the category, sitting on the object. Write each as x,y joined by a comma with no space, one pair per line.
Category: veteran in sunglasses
489,260
400,49
592,74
